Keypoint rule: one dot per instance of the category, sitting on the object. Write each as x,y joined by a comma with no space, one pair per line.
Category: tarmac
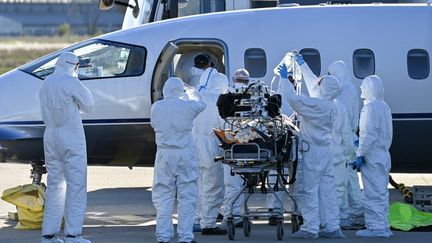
120,210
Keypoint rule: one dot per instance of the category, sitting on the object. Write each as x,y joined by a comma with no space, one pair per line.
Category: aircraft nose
19,97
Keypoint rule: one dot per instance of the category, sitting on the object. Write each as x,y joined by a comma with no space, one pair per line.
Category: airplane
146,11
126,70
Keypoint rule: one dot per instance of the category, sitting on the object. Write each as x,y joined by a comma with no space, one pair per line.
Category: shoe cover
390,233
372,233
55,239
335,234
77,239
304,235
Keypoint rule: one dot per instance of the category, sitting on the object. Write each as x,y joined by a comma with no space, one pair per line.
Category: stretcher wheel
280,230
296,221
246,227
231,230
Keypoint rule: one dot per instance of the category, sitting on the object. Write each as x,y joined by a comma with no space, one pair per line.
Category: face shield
68,63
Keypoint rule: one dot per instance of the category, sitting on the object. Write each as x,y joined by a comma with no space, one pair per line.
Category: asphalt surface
120,210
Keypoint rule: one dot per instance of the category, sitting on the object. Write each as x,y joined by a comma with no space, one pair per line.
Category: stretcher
257,139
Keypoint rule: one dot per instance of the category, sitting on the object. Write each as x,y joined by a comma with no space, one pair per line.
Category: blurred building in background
51,17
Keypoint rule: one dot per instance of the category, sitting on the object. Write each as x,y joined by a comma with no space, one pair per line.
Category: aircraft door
177,59
162,70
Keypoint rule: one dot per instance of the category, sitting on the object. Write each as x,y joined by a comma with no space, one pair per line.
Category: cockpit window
98,59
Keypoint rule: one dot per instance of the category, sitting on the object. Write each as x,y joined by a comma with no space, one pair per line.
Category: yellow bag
29,220
29,200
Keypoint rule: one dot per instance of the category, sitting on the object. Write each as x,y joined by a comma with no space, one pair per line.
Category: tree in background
63,29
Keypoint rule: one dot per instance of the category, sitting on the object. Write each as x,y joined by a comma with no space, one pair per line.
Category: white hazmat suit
190,74
352,210
62,97
376,134
175,171
343,132
211,184
341,138
316,116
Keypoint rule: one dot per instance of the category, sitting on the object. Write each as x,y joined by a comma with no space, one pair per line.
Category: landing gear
38,169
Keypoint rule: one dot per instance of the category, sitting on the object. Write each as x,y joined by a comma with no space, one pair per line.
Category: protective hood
193,77
242,74
212,81
66,64
173,88
329,87
372,88
340,70
193,71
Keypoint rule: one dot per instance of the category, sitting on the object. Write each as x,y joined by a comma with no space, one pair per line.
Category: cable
407,194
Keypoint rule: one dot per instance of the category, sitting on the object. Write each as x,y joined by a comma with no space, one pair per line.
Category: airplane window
99,59
363,63
255,62
418,64
313,59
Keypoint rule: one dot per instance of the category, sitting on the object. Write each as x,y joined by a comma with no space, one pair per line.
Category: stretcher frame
253,169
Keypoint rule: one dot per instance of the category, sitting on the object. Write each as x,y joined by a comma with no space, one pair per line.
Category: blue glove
299,59
357,164
283,71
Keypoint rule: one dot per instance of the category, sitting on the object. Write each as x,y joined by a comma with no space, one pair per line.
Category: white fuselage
389,31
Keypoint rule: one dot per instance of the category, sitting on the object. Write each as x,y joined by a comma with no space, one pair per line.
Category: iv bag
291,64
